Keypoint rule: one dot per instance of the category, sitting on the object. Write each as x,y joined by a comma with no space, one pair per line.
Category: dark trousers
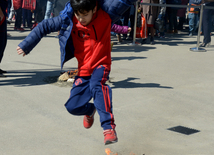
86,88
3,38
207,25
27,16
126,19
172,14
18,21
40,10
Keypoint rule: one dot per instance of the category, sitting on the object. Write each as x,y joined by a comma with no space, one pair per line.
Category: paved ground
155,87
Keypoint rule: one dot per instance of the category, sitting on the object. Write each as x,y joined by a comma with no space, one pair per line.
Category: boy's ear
95,9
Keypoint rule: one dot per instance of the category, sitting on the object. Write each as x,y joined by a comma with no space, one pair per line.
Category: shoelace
107,132
88,118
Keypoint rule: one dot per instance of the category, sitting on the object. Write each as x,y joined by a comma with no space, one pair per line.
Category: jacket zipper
94,31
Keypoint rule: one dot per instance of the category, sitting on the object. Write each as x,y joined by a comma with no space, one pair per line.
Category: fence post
135,24
198,49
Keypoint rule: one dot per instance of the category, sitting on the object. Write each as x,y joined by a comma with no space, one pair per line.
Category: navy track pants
86,88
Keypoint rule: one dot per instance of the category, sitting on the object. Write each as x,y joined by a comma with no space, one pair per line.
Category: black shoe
152,41
8,22
2,75
2,71
205,45
143,41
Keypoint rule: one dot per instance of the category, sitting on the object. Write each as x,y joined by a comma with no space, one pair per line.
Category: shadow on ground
24,78
127,83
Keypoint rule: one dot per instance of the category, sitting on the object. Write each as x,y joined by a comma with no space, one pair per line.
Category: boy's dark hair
83,5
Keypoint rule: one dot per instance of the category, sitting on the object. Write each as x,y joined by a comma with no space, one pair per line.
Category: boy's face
85,17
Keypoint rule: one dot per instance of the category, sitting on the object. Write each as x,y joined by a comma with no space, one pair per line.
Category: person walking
151,14
193,16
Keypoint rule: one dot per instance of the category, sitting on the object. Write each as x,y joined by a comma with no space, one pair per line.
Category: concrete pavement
155,87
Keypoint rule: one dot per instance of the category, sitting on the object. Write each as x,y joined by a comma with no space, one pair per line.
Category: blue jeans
49,8
193,21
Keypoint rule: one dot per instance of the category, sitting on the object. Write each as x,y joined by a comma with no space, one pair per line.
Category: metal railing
176,6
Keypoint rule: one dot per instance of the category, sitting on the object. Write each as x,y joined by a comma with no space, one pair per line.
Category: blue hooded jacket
64,24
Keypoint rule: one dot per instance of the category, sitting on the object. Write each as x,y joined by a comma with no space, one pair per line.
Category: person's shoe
129,38
124,37
190,34
9,22
110,136
2,71
19,29
152,41
176,31
170,31
88,120
8,35
34,25
205,45
2,75
119,38
143,41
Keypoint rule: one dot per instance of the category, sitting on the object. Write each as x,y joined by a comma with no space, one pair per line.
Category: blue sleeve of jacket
45,27
115,8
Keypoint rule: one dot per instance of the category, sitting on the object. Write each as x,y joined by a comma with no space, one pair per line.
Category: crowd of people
173,18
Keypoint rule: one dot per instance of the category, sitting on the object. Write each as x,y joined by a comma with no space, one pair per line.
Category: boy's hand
20,51
129,29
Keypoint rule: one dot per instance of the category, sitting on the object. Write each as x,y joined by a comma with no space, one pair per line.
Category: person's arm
120,29
42,29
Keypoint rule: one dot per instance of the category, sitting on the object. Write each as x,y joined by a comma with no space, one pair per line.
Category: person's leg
24,17
3,42
132,20
80,95
12,12
206,25
49,7
8,8
29,18
126,21
170,15
196,23
152,31
102,95
40,10
18,21
175,23
191,23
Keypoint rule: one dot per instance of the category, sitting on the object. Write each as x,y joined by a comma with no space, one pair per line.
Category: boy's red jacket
92,43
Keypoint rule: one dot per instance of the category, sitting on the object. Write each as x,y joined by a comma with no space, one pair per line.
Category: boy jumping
85,34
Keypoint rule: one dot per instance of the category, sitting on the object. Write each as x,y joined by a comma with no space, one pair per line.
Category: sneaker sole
110,142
